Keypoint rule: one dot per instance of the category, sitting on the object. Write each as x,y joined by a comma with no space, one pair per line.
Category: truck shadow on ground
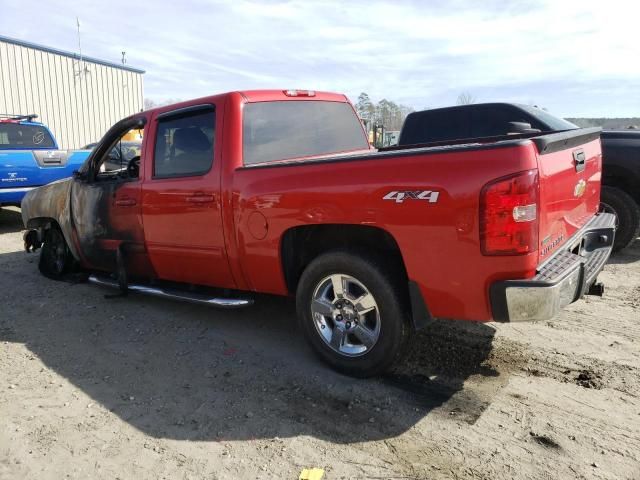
628,255
10,220
189,372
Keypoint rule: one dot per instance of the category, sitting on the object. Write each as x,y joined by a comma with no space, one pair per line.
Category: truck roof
262,96
291,94
474,105
19,118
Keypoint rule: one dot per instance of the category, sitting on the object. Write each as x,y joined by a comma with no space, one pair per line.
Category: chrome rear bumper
561,280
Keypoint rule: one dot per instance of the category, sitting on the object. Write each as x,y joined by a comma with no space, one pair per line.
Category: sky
575,58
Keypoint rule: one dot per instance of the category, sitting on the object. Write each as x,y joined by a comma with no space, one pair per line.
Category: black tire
614,200
56,259
385,287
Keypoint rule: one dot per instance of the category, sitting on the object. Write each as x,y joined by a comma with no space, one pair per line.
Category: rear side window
292,129
184,144
551,121
493,120
435,126
16,135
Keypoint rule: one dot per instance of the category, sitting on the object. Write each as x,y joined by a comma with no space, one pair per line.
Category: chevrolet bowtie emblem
579,189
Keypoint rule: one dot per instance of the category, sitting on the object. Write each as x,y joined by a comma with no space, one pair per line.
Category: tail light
509,215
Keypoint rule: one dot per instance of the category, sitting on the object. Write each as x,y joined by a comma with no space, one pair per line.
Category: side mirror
78,175
521,127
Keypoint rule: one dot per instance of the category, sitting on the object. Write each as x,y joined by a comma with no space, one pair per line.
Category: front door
181,204
106,204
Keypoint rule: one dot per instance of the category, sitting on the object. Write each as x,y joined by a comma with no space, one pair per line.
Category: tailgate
570,166
32,168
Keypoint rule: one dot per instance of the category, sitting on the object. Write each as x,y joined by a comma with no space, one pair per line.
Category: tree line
385,113
608,123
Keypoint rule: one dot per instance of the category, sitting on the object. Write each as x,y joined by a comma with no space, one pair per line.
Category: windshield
553,122
16,135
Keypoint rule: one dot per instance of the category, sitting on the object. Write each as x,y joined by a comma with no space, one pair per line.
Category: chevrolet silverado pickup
279,192
620,149
30,157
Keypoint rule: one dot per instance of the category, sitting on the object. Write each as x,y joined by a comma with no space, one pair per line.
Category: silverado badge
579,189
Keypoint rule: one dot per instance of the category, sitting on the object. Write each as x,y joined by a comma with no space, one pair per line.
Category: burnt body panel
99,213
50,203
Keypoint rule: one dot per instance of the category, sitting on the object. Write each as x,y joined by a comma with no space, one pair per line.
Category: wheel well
41,222
300,245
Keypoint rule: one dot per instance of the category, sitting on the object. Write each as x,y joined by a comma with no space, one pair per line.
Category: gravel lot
137,388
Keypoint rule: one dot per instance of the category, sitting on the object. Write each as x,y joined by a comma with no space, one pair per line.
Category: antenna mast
82,69
79,44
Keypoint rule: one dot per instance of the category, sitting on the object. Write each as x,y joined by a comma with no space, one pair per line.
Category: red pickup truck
279,192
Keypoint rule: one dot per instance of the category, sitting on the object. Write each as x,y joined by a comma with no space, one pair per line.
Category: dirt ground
143,388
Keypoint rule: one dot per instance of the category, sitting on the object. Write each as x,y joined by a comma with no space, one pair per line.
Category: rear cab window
18,136
283,130
550,121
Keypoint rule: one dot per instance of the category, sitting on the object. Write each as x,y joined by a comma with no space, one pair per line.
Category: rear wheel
352,313
55,257
616,201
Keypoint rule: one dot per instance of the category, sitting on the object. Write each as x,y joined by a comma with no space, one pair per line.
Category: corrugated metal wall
78,104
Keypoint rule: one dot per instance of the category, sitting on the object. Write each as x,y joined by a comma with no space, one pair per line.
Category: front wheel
352,313
623,206
55,257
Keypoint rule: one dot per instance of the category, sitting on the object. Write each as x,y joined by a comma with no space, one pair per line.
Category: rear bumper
13,196
563,279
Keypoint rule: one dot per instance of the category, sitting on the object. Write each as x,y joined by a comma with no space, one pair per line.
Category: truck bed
440,241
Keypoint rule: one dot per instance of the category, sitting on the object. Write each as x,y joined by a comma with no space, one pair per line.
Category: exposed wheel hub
345,314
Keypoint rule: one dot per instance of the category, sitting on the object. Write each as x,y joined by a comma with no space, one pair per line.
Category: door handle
579,159
200,198
125,202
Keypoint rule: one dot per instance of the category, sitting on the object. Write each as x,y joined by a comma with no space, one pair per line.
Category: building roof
75,56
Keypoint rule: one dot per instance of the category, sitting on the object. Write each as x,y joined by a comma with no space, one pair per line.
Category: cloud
575,57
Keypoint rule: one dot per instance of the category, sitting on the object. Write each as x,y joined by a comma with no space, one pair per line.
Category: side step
175,294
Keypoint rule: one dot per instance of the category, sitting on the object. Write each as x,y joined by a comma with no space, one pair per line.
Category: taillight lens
509,215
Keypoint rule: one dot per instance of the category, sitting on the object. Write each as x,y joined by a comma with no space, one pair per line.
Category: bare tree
465,98
149,103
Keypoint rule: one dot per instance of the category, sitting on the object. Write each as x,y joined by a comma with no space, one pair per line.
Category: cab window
123,159
184,143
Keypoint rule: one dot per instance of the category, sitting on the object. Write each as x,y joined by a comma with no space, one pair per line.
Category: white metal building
78,98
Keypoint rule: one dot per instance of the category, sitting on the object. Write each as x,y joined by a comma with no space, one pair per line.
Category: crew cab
621,149
279,192
30,157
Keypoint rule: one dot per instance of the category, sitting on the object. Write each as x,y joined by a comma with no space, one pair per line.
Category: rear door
570,166
181,206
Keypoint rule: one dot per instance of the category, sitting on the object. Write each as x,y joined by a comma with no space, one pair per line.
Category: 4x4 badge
580,188
400,196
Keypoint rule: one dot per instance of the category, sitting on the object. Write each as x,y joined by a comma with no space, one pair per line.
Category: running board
175,294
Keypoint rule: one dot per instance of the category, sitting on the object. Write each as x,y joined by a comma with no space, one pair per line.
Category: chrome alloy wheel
346,315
